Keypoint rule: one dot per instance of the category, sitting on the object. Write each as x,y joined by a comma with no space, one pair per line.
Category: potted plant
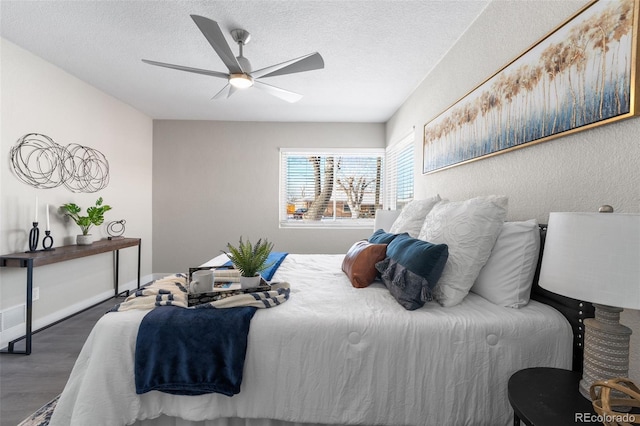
95,216
249,260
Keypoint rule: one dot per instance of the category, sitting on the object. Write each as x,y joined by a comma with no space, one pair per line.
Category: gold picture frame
581,75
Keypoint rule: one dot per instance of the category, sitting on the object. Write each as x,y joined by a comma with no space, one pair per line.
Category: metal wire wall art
42,163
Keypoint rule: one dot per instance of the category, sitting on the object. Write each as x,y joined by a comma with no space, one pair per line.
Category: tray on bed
220,288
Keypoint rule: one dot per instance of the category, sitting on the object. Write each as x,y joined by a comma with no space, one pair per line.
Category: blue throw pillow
412,269
381,237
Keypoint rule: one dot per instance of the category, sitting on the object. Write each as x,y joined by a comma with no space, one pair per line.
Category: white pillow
507,276
384,219
470,229
412,216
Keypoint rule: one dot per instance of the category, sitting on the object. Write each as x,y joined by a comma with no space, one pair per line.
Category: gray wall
38,97
573,173
216,181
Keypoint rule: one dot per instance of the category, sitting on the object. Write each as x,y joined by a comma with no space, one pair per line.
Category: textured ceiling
375,52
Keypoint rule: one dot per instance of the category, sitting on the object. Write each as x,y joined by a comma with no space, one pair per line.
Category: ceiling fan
240,75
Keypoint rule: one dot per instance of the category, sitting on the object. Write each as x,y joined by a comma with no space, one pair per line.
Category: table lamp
595,257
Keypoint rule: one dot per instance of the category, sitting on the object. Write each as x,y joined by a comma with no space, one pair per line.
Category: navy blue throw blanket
192,351
274,260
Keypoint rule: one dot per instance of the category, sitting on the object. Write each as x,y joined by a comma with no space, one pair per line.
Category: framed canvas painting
581,75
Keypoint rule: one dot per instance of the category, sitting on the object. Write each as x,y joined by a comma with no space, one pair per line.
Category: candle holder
47,241
34,237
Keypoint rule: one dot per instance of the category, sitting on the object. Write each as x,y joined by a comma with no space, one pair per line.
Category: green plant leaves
249,259
95,215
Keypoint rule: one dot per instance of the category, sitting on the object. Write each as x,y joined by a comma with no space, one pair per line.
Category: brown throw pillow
360,262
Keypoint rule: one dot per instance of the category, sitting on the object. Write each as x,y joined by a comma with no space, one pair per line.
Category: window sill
328,224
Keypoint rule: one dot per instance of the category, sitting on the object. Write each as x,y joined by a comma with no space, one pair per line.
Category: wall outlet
35,294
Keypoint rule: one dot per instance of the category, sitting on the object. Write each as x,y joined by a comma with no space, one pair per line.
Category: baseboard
17,331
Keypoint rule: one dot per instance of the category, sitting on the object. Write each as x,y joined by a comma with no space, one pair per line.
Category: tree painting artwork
582,75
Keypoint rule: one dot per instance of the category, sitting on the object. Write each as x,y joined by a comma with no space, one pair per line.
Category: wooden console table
30,260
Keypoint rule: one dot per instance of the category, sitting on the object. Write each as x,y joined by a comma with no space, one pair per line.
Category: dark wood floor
27,382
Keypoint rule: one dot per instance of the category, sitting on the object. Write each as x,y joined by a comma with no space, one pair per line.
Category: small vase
84,240
249,282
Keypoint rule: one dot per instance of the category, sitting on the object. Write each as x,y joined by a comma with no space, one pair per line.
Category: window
330,188
399,173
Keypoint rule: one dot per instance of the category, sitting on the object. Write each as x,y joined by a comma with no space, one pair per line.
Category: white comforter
339,355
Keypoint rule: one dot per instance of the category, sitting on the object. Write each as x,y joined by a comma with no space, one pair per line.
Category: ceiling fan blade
189,69
232,90
214,36
225,92
312,61
278,92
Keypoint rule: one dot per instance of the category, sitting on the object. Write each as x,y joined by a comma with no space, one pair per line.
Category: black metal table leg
116,265
116,274
29,319
139,255
29,306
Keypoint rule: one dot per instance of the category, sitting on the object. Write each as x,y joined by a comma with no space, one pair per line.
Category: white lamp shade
593,257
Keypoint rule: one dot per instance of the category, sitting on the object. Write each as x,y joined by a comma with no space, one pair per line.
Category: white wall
38,97
579,172
216,181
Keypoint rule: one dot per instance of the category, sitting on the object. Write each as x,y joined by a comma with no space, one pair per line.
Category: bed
334,354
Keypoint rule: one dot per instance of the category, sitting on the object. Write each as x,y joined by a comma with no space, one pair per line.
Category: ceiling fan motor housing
240,36
244,64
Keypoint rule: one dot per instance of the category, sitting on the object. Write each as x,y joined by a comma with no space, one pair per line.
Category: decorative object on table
249,260
605,401
34,233
95,216
47,241
42,163
594,257
115,229
34,237
579,76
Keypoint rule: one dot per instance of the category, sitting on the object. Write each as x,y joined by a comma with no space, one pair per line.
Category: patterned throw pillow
360,262
412,216
412,269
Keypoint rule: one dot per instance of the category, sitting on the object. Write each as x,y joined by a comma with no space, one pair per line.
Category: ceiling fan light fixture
240,81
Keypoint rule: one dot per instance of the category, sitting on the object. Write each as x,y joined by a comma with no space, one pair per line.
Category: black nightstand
548,397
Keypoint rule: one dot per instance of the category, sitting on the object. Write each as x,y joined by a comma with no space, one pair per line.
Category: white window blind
399,173
330,188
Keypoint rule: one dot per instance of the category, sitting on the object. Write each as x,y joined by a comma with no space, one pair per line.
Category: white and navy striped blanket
172,291
210,341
